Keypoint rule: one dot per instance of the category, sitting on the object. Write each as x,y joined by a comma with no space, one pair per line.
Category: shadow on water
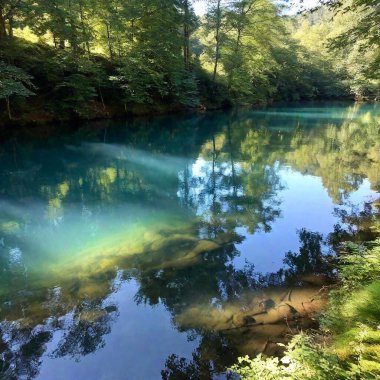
167,204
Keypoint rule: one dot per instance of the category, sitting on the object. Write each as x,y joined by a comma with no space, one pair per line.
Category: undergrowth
351,322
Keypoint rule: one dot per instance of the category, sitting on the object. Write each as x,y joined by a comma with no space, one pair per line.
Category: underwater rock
177,251
268,304
249,320
227,237
178,241
92,315
266,308
316,279
259,320
205,246
10,227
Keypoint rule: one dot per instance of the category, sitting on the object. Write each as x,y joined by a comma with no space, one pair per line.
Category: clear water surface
153,249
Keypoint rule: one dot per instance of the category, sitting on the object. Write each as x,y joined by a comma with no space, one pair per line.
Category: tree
189,23
364,26
340,38
13,82
214,23
247,54
9,10
155,68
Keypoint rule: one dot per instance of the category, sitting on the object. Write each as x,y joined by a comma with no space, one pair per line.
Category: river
168,247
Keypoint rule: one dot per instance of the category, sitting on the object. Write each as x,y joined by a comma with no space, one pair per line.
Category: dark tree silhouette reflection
85,330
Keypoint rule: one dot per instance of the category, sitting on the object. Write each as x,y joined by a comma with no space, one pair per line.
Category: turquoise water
142,249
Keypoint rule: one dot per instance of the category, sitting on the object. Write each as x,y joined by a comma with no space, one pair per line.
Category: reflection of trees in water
310,259
358,224
213,281
82,324
23,362
85,329
240,151
229,191
237,187
204,363
342,156
82,330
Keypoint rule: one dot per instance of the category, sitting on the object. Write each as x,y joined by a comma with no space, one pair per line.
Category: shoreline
12,128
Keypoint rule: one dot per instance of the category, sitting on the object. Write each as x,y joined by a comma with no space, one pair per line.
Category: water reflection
161,208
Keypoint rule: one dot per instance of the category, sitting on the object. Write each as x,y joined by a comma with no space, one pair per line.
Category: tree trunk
239,29
132,31
186,35
74,39
237,48
59,40
3,32
217,39
109,41
84,32
74,34
101,97
9,108
10,26
62,43
118,46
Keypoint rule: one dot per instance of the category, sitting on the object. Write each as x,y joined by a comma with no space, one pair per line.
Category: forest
87,59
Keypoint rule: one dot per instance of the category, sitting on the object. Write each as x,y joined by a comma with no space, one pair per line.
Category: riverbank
38,129
347,344
45,85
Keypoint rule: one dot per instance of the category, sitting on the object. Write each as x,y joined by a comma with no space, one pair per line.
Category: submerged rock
10,227
177,251
273,309
249,320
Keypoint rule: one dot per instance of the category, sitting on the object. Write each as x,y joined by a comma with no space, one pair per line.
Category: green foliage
159,53
364,29
263,56
14,81
354,39
356,300
75,91
304,359
239,40
359,265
